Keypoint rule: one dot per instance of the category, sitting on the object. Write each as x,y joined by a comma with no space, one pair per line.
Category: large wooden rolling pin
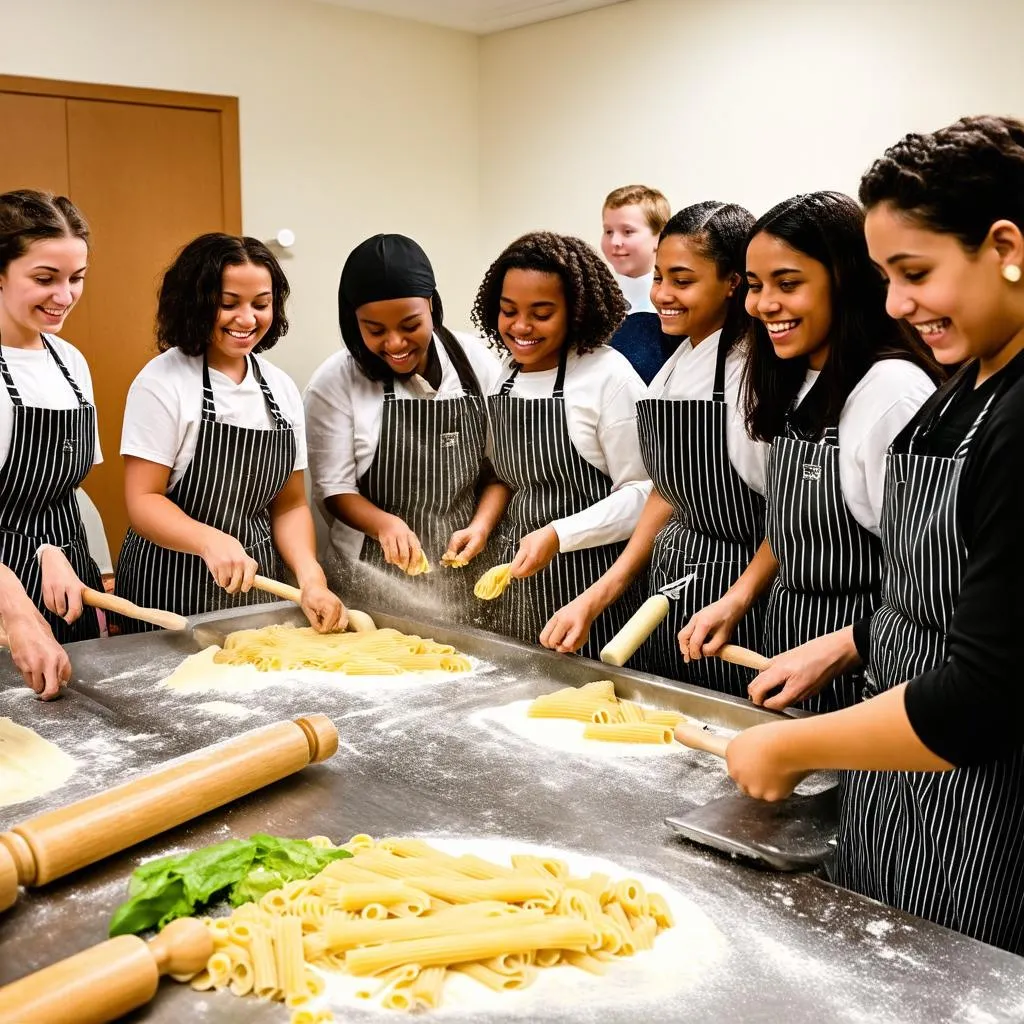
107,981
701,739
56,843
646,620
111,603
358,622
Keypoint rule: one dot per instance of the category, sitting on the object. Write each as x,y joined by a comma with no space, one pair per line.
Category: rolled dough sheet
29,765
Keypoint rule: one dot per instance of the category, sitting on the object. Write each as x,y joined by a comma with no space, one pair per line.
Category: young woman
932,821
832,380
564,427
704,519
48,432
214,445
397,428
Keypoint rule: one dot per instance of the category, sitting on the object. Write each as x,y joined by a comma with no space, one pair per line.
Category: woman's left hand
62,589
758,765
535,553
323,608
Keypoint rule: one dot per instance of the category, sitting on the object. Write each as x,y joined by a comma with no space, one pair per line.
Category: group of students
824,464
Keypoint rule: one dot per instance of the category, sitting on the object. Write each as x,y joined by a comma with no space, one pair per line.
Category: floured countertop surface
440,757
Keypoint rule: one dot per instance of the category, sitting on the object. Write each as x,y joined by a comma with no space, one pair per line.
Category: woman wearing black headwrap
397,426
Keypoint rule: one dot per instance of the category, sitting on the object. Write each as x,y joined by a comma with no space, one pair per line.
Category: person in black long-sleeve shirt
932,819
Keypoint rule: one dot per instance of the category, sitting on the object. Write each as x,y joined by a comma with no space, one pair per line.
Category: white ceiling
478,16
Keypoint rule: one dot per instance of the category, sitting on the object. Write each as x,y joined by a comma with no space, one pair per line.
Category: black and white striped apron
234,476
534,454
426,471
943,845
51,452
830,567
716,526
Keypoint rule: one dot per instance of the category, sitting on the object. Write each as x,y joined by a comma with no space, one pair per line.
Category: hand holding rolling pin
228,561
758,764
62,589
535,553
804,671
323,608
710,628
400,545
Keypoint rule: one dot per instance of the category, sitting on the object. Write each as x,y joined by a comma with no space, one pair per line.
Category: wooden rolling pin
644,622
744,656
358,622
107,981
56,843
701,739
110,603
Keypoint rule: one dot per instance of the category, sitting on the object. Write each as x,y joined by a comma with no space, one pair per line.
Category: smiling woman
214,444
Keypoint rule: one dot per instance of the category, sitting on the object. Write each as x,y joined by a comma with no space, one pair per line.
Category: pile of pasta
380,652
404,916
606,717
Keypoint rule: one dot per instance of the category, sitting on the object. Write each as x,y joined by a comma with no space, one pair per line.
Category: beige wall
748,101
350,124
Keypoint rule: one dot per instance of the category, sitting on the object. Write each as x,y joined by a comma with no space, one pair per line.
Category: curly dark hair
28,216
596,305
190,293
957,181
719,231
829,228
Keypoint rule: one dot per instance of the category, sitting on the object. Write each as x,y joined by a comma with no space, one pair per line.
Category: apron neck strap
557,392
64,370
718,392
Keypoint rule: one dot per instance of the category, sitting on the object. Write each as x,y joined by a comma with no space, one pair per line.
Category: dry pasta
500,925
380,652
493,583
605,716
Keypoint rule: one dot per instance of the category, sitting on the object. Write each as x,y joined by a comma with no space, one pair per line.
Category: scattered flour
225,707
683,957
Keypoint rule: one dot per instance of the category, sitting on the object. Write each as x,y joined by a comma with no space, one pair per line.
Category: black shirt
970,710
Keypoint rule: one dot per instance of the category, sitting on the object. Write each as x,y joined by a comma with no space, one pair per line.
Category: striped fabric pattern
717,525
51,452
945,846
830,567
534,454
234,476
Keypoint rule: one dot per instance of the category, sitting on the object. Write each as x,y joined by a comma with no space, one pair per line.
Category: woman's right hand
42,662
709,630
229,562
400,545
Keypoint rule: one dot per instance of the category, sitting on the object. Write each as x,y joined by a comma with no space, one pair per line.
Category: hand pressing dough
29,765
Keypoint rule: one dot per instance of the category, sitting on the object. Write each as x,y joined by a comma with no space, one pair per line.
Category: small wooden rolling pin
107,981
646,620
56,843
358,622
154,616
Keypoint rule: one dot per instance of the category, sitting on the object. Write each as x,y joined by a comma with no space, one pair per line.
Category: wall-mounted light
285,238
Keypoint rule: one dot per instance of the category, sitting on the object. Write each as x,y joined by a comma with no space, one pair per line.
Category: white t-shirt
884,401
689,376
344,409
638,292
601,392
40,383
165,408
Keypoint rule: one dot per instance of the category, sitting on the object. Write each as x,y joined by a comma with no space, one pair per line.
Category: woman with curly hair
704,519
397,425
832,380
932,815
564,428
214,445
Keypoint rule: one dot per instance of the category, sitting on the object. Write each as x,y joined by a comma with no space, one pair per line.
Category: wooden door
150,171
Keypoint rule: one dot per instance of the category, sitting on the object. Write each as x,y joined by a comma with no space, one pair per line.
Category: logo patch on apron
450,440
812,471
69,446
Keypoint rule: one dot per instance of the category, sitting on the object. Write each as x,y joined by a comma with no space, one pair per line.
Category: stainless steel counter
424,759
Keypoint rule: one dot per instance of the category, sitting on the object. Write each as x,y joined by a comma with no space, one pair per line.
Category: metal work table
422,760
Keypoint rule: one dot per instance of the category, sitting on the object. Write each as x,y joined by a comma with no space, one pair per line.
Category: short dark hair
28,216
595,301
957,181
190,293
719,232
829,228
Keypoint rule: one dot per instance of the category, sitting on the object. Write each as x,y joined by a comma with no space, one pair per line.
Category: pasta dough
382,652
499,924
493,583
419,567
605,716
29,765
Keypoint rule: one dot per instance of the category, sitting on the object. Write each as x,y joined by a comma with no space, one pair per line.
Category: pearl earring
1011,272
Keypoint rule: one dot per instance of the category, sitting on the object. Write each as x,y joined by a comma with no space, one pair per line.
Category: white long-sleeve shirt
601,392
